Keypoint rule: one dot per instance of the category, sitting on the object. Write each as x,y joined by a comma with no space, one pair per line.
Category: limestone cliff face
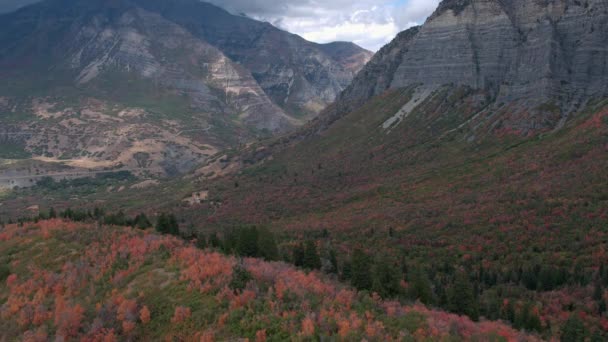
527,54
535,51
300,76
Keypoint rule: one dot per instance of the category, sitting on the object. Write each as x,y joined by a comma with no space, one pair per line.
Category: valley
452,186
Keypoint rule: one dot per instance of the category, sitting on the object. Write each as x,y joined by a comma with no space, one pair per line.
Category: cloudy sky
369,23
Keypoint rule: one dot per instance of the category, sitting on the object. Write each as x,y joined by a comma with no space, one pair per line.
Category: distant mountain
155,84
300,76
544,60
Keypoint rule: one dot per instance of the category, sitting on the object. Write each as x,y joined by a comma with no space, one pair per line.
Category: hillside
62,280
135,86
467,160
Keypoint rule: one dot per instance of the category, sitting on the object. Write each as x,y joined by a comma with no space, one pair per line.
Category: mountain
474,142
300,76
545,60
122,84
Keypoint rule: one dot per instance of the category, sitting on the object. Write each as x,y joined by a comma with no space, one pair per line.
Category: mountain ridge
57,55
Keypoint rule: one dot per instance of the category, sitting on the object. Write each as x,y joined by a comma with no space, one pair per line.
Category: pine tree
462,297
267,245
574,330
214,241
311,256
52,213
247,244
201,241
333,261
173,226
420,286
361,265
240,278
347,271
298,255
165,224
386,279
142,222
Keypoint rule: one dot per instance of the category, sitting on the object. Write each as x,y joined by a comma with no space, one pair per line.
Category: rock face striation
546,58
93,79
300,76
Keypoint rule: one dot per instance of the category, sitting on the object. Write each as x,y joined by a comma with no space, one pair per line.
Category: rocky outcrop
545,58
191,77
300,76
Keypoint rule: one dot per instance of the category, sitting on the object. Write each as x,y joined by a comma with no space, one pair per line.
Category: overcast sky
368,23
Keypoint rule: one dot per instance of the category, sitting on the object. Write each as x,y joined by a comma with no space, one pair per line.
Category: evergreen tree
333,261
298,255
462,297
420,286
346,273
52,213
598,337
267,245
386,279
214,241
201,241
247,244
574,330
166,224
311,256
361,266
240,278
142,222
173,225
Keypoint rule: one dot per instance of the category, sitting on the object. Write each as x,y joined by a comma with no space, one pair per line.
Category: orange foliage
181,314
260,336
308,327
242,299
67,318
144,315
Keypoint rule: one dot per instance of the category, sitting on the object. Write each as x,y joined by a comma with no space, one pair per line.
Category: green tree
386,279
214,241
201,241
574,330
299,255
167,224
347,271
247,243
240,278
462,297
267,245
360,269
142,222
420,286
52,213
311,256
333,261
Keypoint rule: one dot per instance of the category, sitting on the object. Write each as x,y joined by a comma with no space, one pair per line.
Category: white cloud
369,23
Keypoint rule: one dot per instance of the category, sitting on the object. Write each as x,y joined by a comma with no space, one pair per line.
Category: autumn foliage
104,284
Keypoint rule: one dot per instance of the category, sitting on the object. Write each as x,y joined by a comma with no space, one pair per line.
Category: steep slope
120,82
109,84
60,280
300,76
449,152
544,59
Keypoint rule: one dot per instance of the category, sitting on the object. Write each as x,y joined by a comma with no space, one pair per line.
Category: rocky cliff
107,81
544,59
300,76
